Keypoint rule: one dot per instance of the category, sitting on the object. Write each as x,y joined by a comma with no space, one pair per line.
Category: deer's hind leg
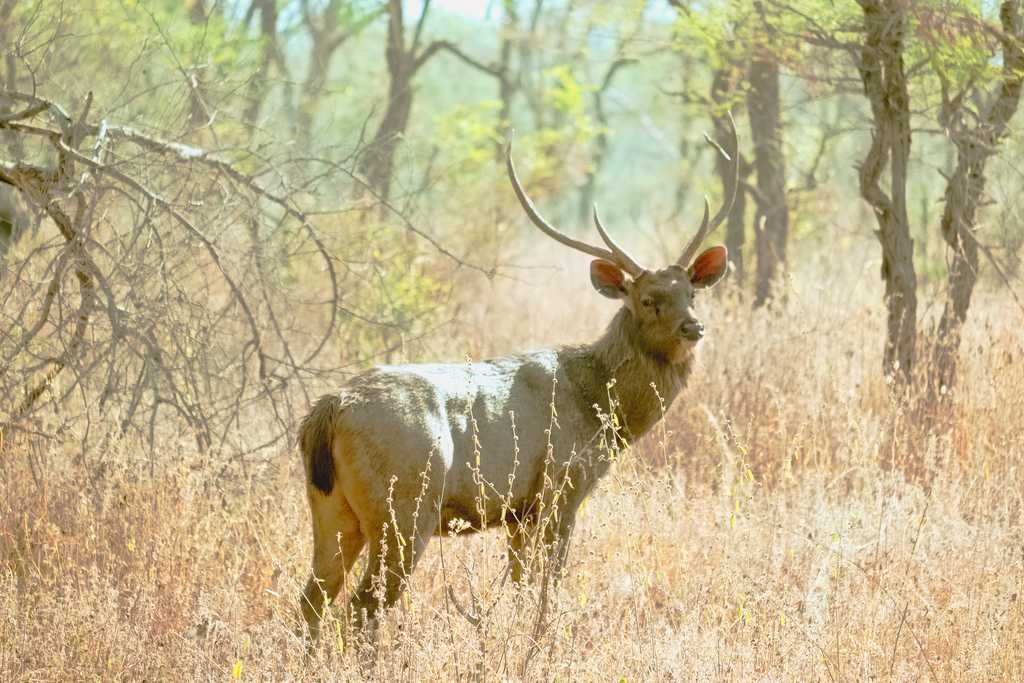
392,558
337,541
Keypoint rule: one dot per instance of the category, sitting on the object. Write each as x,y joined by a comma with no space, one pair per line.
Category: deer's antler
614,253
707,227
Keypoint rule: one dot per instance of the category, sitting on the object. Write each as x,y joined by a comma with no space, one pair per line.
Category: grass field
786,522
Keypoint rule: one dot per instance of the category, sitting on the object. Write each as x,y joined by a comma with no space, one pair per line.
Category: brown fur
401,452
315,441
618,355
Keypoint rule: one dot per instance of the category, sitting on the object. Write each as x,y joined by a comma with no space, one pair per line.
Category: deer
403,453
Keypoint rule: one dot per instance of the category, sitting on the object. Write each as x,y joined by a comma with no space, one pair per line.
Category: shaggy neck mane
620,355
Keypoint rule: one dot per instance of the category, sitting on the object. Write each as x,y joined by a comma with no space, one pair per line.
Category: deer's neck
620,357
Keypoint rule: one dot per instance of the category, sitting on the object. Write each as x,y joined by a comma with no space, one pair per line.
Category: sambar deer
406,452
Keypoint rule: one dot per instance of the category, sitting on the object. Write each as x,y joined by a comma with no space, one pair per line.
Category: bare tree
199,108
404,62
621,58
764,109
725,83
329,29
731,78
159,298
883,75
600,149
976,135
507,86
272,57
13,220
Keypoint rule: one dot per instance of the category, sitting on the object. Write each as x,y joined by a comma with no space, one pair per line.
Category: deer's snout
693,330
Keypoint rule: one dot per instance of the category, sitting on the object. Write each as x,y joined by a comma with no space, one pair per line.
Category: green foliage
356,16
958,46
569,98
566,94
141,60
706,35
403,297
469,134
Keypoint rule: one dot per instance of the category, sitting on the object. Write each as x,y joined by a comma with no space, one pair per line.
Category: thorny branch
163,293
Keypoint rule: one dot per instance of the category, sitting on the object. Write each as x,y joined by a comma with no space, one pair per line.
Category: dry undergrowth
785,524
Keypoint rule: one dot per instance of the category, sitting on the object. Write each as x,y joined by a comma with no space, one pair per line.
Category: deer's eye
647,302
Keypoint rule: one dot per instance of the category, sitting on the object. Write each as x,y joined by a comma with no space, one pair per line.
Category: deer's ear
709,267
608,279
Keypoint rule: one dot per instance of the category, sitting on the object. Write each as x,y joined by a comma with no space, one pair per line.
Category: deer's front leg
540,552
526,545
556,545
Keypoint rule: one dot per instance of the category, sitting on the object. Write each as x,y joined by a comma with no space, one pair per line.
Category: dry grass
786,524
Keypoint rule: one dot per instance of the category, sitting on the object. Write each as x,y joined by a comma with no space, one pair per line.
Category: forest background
212,212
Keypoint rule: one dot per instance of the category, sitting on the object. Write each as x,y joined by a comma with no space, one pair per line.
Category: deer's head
660,302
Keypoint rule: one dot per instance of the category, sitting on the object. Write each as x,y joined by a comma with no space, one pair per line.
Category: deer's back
399,416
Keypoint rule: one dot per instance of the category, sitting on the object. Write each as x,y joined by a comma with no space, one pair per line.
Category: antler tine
705,227
621,257
545,227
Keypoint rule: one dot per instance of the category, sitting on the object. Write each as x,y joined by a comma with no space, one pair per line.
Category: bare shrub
772,540
179,294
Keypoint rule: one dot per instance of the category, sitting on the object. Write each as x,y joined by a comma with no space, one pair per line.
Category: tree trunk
529,74
885,86
587,193
199,113
379,160
259,87
964,191
506,87
312,88
13,220
589,190
328,31
723,84
11,142
765,112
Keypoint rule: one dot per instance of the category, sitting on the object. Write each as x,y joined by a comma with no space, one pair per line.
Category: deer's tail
316,434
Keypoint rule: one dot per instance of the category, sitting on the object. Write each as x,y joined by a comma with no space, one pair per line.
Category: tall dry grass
786,522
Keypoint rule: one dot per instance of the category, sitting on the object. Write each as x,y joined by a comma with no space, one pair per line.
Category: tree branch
419,28
446,46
